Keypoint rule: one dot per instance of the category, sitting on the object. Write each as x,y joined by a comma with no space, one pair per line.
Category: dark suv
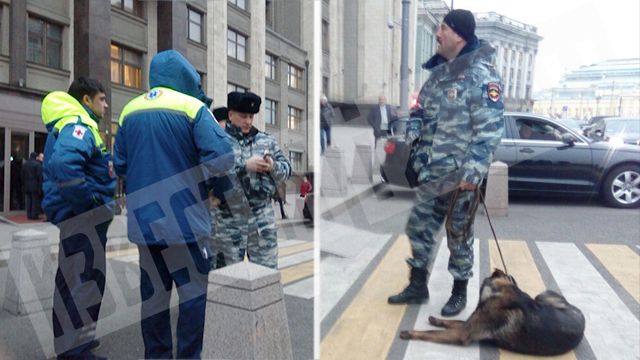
549,158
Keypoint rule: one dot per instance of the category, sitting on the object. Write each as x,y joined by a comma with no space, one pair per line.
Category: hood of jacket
172,70
470,52
58,104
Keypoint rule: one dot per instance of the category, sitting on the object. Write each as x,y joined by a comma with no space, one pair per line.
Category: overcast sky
575,32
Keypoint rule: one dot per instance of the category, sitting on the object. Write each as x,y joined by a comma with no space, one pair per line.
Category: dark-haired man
462,125
32,185
78,194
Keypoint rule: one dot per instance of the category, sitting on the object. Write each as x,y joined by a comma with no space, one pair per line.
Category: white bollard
334,178
497,194
246,316
298,214
29,286
362,168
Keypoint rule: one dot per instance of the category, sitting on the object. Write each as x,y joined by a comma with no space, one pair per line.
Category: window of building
294,118
268,13
325,35
270,112
203,79
132,6
195,28
239,3
45,43
126,67
295,157
295,77
236,45
325,85
270,66
233,87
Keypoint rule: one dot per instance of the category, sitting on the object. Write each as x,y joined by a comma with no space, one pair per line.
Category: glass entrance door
19,154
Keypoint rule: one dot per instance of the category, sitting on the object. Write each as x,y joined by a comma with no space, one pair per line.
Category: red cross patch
78,132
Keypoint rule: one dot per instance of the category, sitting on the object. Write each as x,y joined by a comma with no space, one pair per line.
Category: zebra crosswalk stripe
611,329
440,283
522,267
621,262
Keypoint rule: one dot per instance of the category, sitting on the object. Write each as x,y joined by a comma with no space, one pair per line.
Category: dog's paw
405,335
434,321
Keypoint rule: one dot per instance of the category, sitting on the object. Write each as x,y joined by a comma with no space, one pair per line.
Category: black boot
416,292
458,299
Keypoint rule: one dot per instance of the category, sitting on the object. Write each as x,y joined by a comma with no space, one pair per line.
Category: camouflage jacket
462,119
258,188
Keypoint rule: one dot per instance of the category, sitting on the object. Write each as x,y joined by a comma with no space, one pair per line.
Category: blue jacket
76,162
167,147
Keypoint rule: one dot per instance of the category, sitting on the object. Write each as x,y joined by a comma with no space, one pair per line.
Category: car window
532,129
614,126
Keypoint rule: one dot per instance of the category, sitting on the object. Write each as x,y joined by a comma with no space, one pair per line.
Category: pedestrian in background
326,120
462,126
166,145
305,187
78,199
245,217
32,185
381,118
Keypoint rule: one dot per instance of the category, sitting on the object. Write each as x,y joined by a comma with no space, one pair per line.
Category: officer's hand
466,186
258,164
269,160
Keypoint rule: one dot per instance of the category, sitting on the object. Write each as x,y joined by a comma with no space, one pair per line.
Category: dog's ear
497,273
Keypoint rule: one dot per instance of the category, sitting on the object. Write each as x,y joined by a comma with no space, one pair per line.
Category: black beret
246,102
221,113
462,23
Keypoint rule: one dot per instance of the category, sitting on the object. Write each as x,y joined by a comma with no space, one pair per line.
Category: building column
523,85
217,26
18,43
257,39
515,81
172,26
92,46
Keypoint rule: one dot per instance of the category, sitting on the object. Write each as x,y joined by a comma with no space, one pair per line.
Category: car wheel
622,187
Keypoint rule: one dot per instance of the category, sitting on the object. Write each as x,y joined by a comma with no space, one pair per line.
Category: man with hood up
78,199
462,124
167,147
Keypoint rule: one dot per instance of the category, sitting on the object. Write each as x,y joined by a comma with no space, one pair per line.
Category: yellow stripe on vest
163,98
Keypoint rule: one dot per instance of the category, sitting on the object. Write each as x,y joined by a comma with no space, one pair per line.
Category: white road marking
611,329
440,285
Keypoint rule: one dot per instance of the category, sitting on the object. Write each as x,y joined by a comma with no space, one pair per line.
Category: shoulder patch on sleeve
492,92
79,131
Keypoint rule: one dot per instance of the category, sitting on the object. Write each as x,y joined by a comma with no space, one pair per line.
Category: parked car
546,157
617,130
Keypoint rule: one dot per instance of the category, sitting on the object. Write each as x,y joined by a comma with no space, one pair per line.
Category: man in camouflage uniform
245,217
462,124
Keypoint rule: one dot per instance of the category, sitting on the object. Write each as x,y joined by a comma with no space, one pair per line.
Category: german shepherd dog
512,320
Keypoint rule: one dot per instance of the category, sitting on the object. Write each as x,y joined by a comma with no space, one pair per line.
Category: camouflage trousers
425,222
253,230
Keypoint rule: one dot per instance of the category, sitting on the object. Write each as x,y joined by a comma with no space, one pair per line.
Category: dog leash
486,211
